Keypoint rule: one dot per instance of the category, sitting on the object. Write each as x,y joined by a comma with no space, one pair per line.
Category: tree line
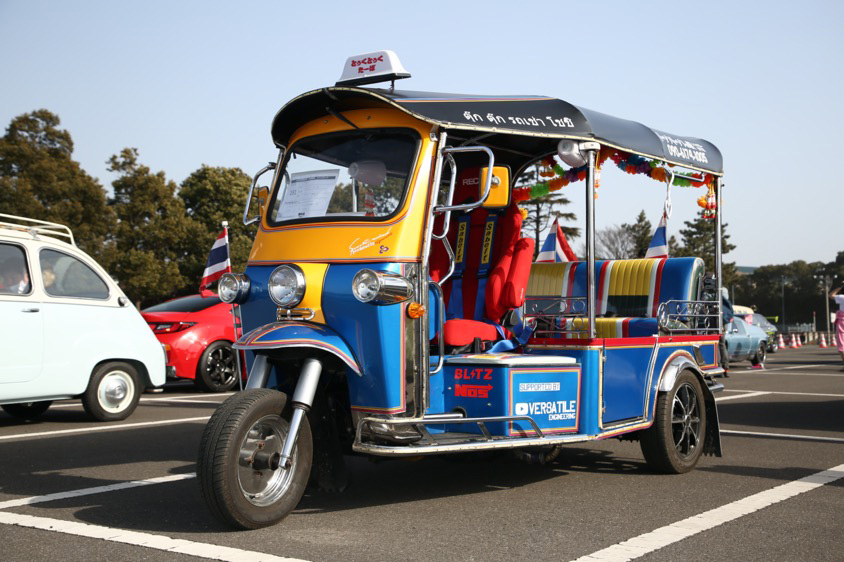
151,234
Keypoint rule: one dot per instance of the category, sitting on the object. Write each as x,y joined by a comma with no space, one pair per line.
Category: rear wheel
216,370
238,465
27,410
674,443
759,358
113,391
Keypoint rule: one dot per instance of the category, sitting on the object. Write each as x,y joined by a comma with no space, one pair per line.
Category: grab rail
246,220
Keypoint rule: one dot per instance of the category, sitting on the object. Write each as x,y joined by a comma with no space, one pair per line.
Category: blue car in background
746,342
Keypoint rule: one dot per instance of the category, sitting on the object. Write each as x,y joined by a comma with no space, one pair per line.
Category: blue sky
191,83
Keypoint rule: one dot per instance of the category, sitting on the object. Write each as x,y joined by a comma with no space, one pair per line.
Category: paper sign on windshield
308,194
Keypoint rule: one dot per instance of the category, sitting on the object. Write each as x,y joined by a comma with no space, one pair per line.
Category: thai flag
218,260
659,242
556,248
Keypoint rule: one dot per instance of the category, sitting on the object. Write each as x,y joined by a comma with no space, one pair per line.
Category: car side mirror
263,196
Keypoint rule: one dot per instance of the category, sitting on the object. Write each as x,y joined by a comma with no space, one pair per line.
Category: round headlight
233,287
287,285
366,285
380,287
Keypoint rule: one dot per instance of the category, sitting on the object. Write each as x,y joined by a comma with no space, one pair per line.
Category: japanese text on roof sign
367,64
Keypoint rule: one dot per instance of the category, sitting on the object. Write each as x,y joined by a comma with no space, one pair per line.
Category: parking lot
72,489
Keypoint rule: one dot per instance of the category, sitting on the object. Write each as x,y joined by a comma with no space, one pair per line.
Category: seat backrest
495,261
623,288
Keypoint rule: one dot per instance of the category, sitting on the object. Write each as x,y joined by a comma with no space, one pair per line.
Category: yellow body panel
394,240
314,280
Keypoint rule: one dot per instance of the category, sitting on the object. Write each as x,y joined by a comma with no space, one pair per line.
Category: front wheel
674,443
113,391
27,410
238,466
759,358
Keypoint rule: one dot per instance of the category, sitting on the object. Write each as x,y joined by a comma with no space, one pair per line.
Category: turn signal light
415,310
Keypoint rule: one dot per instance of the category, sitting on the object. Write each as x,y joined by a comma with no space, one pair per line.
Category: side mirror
499,191
263,196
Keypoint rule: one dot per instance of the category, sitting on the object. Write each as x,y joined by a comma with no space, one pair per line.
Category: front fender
278,335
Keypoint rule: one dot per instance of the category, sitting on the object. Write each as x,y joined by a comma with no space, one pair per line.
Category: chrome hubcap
116,391
262,482
685,421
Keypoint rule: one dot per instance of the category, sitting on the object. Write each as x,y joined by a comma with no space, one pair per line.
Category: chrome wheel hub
685,421
116,391
262,481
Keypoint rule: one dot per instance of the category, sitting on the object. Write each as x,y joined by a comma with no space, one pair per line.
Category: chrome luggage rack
697,317
36,227
452,442
555,317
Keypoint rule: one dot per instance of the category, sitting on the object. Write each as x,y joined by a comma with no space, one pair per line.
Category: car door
741,339
21,317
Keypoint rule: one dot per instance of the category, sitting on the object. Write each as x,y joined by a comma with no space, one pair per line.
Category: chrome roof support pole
720,280
590,241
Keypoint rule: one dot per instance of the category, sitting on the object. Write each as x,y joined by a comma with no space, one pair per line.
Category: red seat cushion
460,332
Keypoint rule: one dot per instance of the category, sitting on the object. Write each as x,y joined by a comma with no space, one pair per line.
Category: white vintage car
66,328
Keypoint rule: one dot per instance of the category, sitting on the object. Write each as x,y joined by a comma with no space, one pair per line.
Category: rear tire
216,369
674,443
27,410
235,487
113,391
759,358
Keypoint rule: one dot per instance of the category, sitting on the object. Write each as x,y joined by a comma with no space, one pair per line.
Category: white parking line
181,399
745,395
788,393
146,540
783,435
664,536
104,427
95,490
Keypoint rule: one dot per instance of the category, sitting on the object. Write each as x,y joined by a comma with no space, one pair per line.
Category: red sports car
197,332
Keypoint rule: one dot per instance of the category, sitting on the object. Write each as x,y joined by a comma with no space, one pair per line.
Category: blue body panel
626,373
372,335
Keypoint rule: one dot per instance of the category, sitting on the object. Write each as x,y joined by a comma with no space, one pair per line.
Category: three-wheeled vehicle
391,307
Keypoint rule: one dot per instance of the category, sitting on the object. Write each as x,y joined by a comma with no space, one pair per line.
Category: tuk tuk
391,306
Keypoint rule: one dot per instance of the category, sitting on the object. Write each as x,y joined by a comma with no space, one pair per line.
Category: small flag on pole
218,260
659,243
556,248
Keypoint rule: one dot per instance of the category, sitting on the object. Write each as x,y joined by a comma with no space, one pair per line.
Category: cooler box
543,387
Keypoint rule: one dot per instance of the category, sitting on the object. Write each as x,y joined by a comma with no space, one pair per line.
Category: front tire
216,369
113,391
27,410
674,443
236,482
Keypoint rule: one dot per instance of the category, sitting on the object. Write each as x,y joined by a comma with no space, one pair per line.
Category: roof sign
379,66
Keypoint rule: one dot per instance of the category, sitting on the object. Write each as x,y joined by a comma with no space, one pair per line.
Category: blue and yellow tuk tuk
391,305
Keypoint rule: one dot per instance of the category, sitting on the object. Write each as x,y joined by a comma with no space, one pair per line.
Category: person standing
839,321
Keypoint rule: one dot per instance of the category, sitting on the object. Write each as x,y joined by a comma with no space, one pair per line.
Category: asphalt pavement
73,489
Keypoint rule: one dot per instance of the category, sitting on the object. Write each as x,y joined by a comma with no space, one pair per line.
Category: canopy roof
527,127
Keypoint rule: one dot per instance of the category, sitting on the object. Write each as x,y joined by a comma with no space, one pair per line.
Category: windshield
361,174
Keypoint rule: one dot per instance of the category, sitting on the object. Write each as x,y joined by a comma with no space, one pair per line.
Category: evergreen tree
154,235
212,195
698,240
40,180
640,233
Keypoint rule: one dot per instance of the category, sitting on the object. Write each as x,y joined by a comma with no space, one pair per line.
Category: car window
186,304
67,276
14,271
740,326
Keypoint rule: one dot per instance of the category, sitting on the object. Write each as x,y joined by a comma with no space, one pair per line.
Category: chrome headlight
286,286
380,287
233,287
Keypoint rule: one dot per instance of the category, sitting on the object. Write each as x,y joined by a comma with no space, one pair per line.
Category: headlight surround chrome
381,287
233,287
286,285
